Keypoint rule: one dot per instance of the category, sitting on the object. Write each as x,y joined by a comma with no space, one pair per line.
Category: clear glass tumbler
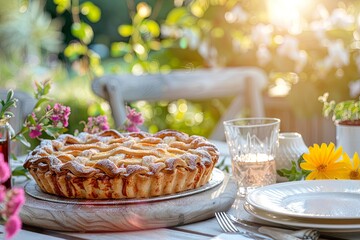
252,143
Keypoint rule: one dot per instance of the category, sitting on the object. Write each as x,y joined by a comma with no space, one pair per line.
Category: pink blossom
60,114
33,115
12,226
134,117
102,122
35,131
132,128
4,169
2,193
96,124
14,204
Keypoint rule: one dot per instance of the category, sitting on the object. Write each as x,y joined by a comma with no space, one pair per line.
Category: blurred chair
23,107
245,84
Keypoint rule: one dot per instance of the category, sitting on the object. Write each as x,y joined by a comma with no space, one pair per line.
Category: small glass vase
291,147
5,145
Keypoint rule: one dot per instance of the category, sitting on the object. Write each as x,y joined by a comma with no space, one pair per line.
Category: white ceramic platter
68,216
323,225
322,199
33,190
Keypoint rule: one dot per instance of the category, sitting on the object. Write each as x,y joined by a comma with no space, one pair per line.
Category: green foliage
41,95
79,52
345,111
157,36
223,166
29,37
295,173
20,171
9,102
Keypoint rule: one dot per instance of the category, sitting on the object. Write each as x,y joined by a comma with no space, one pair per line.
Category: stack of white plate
326,205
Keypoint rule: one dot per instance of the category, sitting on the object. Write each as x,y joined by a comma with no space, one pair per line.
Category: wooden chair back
245,84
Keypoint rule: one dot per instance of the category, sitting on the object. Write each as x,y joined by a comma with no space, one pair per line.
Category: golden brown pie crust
113,165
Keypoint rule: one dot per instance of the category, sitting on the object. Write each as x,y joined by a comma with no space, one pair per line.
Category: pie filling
113,165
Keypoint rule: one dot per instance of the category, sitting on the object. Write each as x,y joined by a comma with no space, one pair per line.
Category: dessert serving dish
113,165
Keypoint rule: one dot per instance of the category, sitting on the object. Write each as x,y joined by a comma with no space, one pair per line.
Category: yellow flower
322,162
352,167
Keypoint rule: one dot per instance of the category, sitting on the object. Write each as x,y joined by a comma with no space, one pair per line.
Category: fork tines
225,223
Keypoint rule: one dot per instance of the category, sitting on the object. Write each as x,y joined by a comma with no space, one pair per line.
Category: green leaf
9,114
91,11
55,131
20,171
41,101
51,132
31,119
82,31
125,30
10,102
293,174
23,140
13,156
222,166
10,95
46,88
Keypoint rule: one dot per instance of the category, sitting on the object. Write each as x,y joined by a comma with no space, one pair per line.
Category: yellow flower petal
307,166
356,161
323,162
311,176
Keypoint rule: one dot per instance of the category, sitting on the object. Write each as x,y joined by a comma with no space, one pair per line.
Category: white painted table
206,229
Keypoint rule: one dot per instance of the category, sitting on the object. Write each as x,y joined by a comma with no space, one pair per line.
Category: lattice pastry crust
113,165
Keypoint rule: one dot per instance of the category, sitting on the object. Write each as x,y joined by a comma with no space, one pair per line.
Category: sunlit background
305,47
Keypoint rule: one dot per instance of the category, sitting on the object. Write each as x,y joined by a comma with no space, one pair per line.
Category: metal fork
304,234
228,227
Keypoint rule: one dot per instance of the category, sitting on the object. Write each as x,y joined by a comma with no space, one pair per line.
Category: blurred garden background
306,47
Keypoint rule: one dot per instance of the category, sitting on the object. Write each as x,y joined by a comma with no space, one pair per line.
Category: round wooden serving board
128,217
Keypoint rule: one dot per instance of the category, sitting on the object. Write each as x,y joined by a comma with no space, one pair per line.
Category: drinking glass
5,146
252,144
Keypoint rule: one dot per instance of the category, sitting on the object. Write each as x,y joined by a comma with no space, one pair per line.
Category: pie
113,165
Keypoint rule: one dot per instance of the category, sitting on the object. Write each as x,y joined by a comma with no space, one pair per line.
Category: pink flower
4,169
96,124
60,114
134,117
132,128
14,204
12,226
2,193
35,131
33,115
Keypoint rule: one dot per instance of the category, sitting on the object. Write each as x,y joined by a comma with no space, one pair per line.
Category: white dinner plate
323,225
322,199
